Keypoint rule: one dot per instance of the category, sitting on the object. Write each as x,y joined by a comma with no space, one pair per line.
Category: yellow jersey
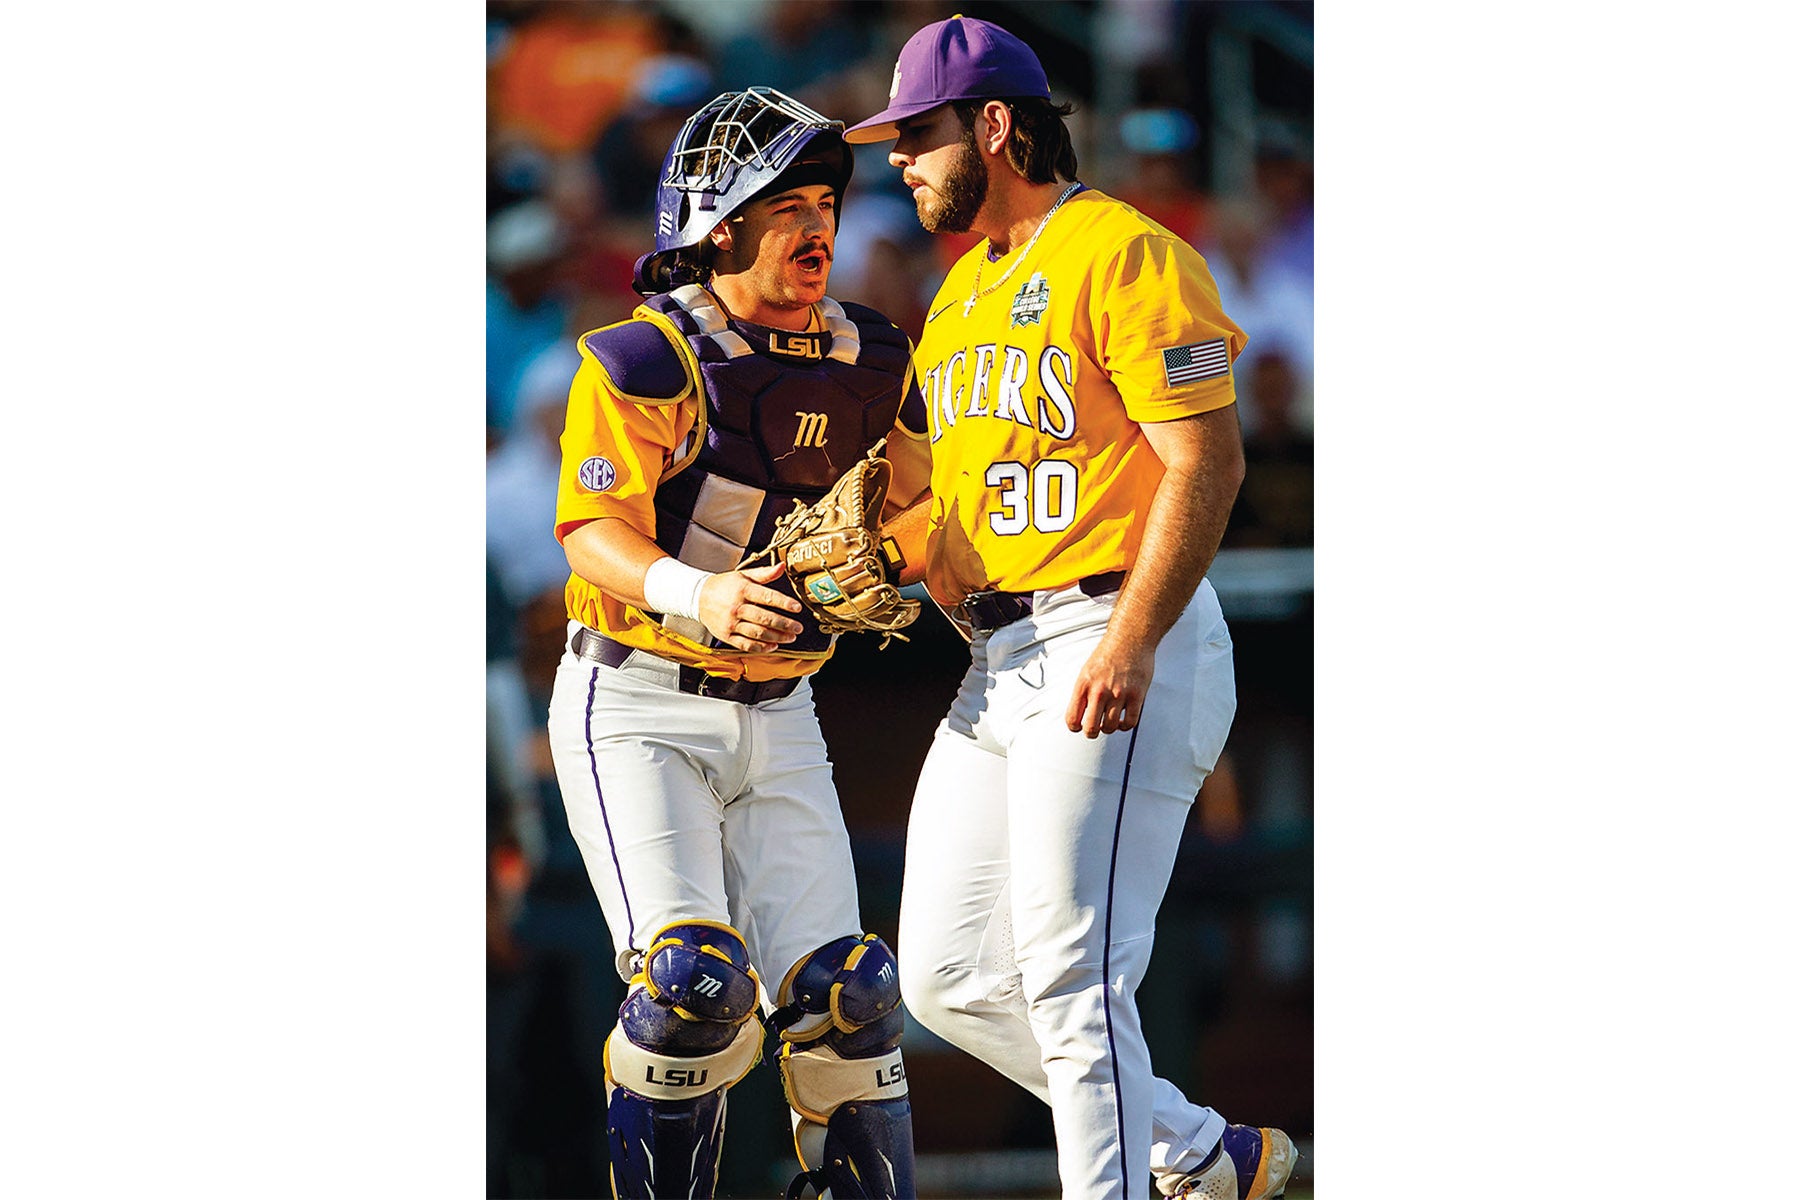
1040,472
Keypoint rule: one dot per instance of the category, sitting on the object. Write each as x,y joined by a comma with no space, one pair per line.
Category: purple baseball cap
958,59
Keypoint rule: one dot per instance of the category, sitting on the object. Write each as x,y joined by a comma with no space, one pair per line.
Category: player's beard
961,197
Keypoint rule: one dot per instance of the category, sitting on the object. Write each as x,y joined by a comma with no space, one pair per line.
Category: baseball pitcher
732,419
1076,369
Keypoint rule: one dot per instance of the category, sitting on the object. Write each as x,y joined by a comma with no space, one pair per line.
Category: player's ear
999,117
721,235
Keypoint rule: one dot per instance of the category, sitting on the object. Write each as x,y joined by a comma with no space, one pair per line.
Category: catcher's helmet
739,145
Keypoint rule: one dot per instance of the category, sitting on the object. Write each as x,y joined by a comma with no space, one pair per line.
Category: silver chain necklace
976,291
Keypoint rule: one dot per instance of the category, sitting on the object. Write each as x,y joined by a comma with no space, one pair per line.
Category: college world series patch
1202,360
1033,298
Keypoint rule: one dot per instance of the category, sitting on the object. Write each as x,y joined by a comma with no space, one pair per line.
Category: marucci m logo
708,986
812,429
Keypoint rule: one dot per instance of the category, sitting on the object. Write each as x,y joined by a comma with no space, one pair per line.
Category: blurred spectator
1273,390
561,73
796,48
572,190
1284,178
516,835
507,878
1271,302
522,478
1157,178
525,308
603,276
547,972
521,539
515,174
1275,502
1132,35
1220,805
882,258
628,156
597,267
607,195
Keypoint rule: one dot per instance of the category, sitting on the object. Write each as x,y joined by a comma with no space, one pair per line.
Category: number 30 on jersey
1042,498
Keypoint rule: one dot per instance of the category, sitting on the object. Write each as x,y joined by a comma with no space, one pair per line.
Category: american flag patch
1202,360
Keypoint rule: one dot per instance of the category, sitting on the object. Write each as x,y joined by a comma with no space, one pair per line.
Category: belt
988,611
597,647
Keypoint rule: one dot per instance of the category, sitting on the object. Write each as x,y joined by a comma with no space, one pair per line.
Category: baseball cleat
1251,1164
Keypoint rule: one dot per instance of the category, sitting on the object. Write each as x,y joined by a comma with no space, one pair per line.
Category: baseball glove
843,569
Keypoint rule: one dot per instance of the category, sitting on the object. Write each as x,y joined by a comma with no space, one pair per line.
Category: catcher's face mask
737,147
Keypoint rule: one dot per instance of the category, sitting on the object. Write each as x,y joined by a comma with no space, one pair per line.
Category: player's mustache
814,248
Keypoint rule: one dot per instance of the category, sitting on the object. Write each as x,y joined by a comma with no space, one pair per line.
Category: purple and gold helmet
738,146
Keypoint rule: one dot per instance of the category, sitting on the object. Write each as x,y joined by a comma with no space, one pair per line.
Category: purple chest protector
784,415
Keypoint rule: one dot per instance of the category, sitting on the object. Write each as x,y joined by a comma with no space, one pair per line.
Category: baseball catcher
739,413
840,565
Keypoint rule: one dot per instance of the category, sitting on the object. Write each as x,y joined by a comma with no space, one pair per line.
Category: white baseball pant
692,807
1036,859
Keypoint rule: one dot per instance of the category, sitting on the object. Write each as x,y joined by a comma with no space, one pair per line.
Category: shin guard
841,1068
685,1035
664,1147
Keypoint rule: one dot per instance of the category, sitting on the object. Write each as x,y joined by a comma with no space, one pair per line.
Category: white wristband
672,588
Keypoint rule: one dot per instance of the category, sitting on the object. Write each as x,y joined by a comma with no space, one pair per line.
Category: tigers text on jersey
1040,473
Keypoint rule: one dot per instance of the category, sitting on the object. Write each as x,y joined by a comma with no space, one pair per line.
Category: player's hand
1109,692
737,609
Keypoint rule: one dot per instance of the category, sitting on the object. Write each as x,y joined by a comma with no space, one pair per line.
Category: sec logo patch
596,474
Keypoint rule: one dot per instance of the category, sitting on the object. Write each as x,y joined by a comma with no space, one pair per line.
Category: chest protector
781,416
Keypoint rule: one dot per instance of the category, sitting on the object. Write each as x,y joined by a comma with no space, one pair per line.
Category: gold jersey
1040,472
641,442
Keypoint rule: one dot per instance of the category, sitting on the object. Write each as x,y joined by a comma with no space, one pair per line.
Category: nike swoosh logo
940,312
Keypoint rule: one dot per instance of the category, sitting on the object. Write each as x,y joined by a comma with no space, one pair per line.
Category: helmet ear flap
665,270
682,270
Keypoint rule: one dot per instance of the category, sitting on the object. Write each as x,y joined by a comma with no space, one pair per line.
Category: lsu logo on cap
597,474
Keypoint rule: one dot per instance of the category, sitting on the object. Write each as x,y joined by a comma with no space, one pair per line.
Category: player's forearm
908,531
910,456
613,556
1182,531
1186,522
908,502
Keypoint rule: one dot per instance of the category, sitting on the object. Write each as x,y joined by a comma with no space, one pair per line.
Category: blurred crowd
584,97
